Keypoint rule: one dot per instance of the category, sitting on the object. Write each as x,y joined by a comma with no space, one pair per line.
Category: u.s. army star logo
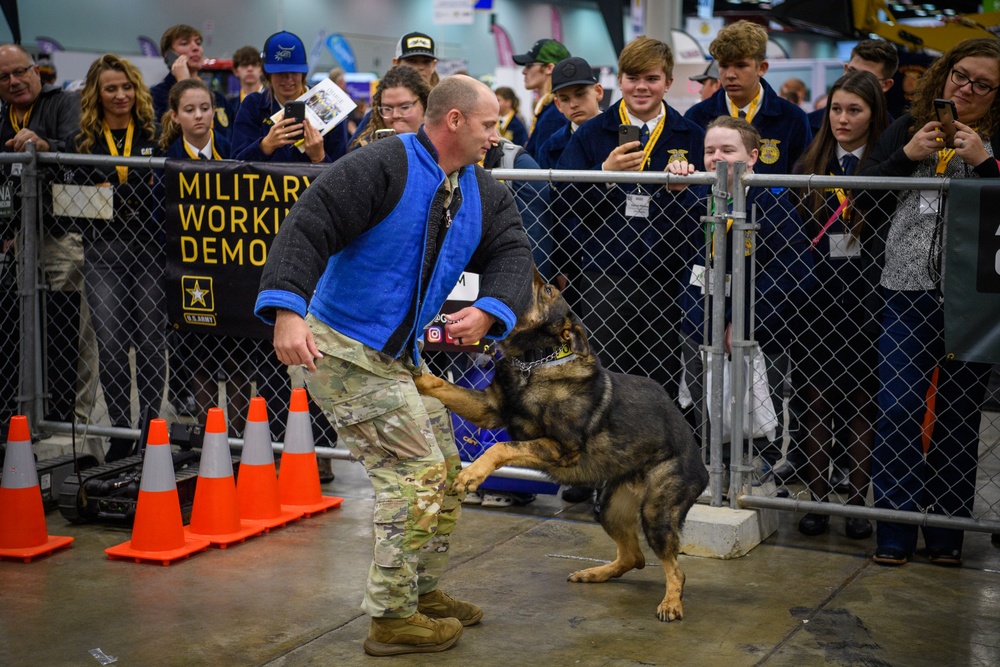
769,152
198,293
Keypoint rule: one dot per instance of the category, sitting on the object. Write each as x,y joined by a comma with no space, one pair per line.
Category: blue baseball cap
284,52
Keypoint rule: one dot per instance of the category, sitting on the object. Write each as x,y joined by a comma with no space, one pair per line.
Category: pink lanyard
836,214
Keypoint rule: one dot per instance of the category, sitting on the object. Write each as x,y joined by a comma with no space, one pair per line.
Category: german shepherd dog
586,426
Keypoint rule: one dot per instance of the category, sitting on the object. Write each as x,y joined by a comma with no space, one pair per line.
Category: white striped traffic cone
158,531
257,483
215,514
23,534
298,478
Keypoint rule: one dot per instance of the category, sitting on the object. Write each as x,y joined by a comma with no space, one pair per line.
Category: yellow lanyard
944,157
113,149
653,136
729,225
751,108
13,118
197,156
844,202
542,103
504,124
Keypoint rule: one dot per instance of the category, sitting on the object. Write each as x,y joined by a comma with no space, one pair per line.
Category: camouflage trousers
406,443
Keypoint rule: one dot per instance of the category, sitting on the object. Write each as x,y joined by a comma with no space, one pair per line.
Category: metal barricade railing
623,275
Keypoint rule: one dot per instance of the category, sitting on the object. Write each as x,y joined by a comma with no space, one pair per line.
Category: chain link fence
800,325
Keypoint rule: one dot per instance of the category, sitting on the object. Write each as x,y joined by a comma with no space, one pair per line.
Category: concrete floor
291,598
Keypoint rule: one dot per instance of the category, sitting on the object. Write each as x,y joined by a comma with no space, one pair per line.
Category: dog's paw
592,575
670,611
427,383
467,481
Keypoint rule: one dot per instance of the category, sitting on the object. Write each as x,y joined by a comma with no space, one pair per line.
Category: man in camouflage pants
363,262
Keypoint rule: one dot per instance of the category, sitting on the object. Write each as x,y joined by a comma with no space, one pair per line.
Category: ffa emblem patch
769,152
677,155
222,116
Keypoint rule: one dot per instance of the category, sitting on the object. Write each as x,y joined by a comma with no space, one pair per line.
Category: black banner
220,220
972,271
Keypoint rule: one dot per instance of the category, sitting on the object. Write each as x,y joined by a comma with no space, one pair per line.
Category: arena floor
291,598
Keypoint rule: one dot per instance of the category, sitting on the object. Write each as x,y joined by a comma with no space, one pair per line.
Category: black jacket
55,118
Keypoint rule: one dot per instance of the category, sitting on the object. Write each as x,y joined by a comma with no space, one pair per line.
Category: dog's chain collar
559,354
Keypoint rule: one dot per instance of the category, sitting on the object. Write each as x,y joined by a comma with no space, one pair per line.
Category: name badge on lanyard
637,206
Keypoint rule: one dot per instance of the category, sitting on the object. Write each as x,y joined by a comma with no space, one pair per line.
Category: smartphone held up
947,115
296,109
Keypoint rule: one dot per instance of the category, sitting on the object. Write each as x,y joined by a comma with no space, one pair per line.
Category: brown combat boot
438,604
415,634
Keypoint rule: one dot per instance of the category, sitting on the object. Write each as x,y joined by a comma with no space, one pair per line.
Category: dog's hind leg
619,518
664,508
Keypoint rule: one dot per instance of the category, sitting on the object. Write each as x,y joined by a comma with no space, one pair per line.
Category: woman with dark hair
187,125
398,104
124,257
257,138
839,381
911,346
512,128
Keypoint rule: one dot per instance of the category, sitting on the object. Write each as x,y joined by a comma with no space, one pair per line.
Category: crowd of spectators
626,253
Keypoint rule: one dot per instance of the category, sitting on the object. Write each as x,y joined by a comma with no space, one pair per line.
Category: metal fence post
29,399
738,339
717,288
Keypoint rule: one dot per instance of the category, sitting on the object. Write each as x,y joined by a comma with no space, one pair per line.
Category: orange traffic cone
215,515
298,478
257,483
23,534
158,531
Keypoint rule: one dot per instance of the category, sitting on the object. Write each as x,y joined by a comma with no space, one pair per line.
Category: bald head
20,82
461,121
458,92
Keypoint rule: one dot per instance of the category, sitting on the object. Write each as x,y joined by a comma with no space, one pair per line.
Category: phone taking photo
382,134
296,109
947,115
627,134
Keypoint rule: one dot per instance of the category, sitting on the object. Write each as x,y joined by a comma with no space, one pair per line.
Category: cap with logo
547,51
711,72
284,52
572,72
414,44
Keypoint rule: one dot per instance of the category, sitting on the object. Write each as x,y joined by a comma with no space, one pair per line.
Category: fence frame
30,396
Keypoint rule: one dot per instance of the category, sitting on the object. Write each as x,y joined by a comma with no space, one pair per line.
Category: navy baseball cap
284,52
573,71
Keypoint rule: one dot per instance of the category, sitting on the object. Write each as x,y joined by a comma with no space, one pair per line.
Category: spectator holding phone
942,481
628,232
399,103
258,138
182,52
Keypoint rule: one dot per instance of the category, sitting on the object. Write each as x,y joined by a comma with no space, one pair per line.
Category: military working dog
586,426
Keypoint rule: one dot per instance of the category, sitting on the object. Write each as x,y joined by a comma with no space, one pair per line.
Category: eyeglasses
978,87
403,110
17,73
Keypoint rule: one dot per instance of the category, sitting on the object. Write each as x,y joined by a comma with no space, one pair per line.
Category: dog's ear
576,337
